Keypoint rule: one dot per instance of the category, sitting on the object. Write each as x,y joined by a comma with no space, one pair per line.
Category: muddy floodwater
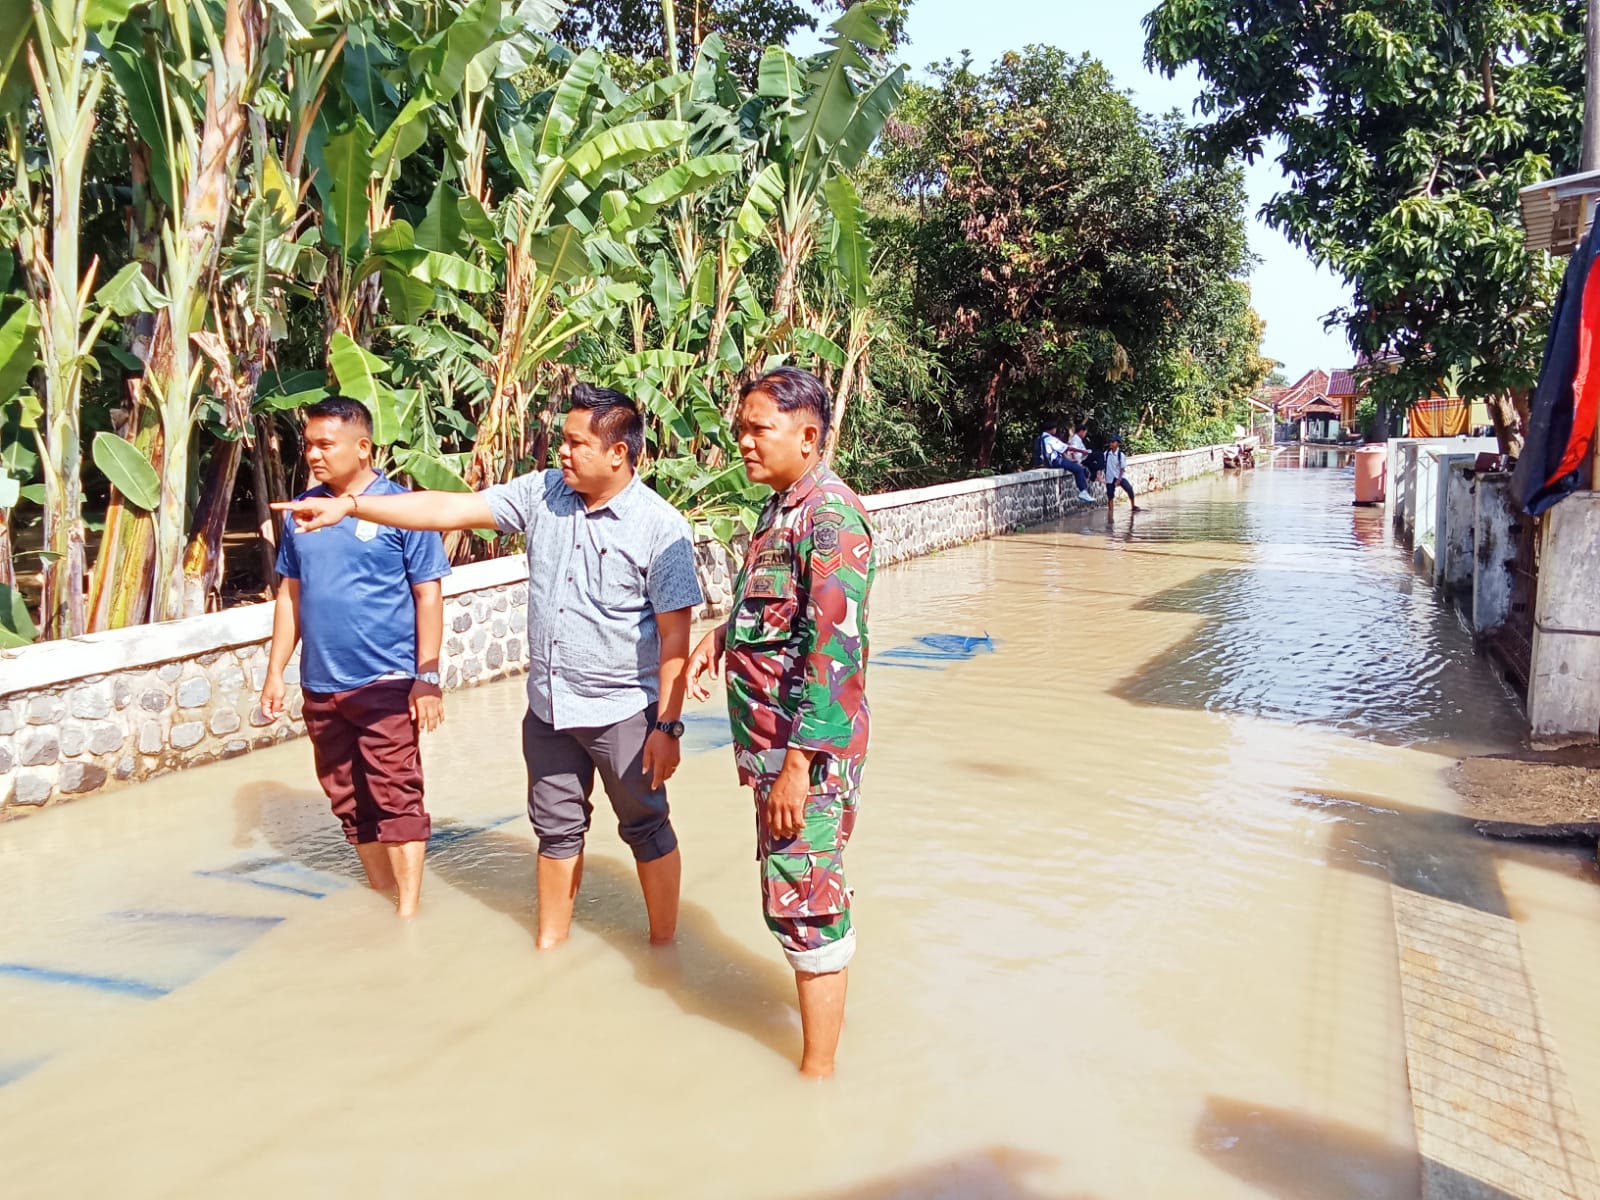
1154,846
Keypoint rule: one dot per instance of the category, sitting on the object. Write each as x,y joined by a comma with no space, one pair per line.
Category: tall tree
1063,239
747,27
1406,131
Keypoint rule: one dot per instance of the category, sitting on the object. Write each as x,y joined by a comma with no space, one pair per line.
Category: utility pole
1591,92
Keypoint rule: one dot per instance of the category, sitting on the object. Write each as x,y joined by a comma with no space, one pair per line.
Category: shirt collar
619,505
803,487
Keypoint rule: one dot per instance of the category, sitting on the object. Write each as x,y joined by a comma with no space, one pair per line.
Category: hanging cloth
1557,455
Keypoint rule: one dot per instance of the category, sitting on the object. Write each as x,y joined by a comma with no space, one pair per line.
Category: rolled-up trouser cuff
565,846
824,960
657,845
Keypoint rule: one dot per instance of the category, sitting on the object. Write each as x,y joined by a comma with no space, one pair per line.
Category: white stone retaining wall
84,714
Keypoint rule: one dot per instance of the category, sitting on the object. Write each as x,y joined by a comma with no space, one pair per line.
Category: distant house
1346,393
1305,411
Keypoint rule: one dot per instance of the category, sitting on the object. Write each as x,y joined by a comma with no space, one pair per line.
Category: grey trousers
561,768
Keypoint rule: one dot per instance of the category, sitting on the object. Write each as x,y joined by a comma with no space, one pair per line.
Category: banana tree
19,412
167,76
45,59
831,111
571,232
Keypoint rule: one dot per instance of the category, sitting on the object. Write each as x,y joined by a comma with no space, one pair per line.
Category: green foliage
634,27
1069,257
1406,132
129,470
445,213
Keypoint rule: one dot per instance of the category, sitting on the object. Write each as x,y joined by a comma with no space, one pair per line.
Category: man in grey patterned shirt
611,590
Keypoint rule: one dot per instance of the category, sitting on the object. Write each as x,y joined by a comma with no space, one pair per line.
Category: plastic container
1371,463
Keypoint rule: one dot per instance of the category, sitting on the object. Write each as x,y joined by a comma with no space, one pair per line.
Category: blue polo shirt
358,620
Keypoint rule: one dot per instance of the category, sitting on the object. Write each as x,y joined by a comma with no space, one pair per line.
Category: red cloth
1585,383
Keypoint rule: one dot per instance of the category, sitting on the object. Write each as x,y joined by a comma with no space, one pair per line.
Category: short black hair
1049,425
1081,427
791,390
341,408
613,417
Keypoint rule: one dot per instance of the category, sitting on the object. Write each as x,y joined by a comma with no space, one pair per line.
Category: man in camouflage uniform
796,658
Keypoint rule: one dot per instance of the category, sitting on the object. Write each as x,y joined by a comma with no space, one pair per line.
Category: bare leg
559,880
821,1018
405,861
375,861
659,880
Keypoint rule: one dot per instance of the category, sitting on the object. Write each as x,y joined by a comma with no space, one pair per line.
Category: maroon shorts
366,750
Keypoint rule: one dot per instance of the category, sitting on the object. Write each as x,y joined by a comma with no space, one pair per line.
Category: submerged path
1160,890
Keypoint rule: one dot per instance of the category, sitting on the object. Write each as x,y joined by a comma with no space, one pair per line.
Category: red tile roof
1343,383
1307,388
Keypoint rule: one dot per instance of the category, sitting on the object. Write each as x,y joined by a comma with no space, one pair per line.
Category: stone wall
80,715
922,520
86,714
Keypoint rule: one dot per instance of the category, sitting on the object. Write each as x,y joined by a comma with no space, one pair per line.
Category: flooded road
1157,884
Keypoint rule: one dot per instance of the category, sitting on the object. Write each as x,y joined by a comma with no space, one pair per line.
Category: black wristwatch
673,729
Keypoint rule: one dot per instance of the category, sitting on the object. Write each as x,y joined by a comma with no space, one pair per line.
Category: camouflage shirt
797,637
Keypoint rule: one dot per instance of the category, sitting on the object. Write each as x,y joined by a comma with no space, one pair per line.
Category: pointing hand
317,512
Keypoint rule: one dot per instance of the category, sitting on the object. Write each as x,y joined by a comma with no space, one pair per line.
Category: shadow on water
707,973
995,1173
1328,625
1294,1156
1435,854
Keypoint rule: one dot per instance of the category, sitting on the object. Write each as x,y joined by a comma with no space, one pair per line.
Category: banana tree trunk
68,87
267,469
793,245
8,565
854,366
203,561
206,207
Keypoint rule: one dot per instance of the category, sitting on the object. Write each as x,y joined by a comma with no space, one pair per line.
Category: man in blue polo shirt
366,602
611,591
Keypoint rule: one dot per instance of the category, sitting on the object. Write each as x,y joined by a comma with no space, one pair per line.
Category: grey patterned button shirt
596,581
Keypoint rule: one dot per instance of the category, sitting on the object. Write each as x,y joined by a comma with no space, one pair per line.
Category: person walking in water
795,654
367,607
1116,469
611,590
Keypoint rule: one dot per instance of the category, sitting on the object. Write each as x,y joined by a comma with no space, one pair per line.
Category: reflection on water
1120,935
1325,622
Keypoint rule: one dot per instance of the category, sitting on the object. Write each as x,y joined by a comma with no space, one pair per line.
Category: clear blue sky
1287,290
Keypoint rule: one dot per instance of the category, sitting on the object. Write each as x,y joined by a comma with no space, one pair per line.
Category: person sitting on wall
1092,461
367,604
1051,451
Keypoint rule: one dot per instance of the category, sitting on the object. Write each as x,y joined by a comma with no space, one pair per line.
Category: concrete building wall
1494,521
1564,678
81,715
1461,498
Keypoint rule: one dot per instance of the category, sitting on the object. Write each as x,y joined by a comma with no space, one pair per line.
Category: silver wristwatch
429,677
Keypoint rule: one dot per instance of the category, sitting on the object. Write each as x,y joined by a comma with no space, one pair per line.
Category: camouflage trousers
804,896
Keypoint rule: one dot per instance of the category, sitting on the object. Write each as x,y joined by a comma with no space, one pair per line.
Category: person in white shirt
1117,474
1051,451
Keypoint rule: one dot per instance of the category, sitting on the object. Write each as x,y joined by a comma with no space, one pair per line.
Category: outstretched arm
407,510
